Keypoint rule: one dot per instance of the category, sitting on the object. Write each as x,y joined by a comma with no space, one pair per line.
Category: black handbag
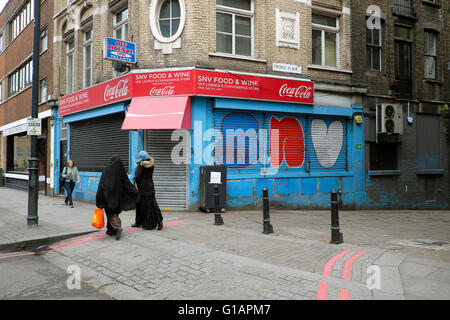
61,178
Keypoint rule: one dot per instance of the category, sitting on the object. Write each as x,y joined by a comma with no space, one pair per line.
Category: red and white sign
189,82
105,93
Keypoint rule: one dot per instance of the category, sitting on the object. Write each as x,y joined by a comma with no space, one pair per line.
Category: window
43,90
169,18
20,79
234,27
325,34
1,43
44,39
121,25
69,69
373,52
430,55
22,19
87,53
403,6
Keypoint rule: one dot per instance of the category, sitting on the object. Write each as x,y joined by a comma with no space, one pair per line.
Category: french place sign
189,82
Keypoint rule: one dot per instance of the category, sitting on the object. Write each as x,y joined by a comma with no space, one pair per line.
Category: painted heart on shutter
327,141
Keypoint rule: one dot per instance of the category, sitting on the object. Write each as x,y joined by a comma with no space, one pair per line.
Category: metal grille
170,178
403,7
94,142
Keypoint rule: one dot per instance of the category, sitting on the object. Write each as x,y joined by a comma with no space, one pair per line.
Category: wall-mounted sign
189,82
119,50
34,126
283,67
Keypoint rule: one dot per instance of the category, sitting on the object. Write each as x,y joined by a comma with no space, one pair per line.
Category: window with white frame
22,19
20,79
87,58
44,39
373,48
69,65
169,18
120,25
1,42
43,90
430,55
325,40
234,27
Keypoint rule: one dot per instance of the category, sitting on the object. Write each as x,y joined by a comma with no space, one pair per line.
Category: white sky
2,4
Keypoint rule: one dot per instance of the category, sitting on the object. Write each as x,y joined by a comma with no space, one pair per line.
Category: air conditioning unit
389,118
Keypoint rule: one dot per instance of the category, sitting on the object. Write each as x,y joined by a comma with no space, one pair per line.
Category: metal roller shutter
170,179
94,142
292,144
327,143
234,120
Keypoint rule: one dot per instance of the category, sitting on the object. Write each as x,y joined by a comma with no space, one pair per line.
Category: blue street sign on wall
119,50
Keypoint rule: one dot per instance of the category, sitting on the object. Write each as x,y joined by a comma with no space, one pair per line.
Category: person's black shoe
71,205
134,225
118,233
160,225
66,203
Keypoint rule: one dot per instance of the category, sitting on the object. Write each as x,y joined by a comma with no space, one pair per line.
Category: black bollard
267,227
336,236
218,221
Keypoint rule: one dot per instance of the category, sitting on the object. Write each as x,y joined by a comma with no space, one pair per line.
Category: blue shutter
239,124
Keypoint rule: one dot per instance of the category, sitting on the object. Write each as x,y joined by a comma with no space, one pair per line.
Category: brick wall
198,40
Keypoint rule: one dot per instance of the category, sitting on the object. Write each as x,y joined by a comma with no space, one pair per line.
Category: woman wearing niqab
115,194
148,214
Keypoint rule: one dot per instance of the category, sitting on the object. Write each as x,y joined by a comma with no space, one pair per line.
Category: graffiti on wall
242,141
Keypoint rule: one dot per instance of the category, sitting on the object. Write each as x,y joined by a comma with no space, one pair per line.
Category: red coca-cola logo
166,91
117,91
295,92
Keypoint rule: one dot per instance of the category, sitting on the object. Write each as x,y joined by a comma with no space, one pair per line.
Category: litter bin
209,177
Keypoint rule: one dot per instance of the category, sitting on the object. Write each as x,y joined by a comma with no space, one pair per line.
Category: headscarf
142,155
115,190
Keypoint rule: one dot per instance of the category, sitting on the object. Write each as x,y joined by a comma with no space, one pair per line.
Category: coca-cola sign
165,91
295,92
113,92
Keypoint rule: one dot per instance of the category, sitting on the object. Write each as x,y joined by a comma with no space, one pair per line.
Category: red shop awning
158,113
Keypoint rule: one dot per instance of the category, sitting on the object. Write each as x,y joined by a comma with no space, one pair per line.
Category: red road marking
348,265
346,273
344,294
327,270
322,291
82,239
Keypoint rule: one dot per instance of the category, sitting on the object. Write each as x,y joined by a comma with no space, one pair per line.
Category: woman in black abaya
115,193
148,214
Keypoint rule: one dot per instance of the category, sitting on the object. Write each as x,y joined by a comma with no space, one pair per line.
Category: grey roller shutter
93,142
327,143
170,179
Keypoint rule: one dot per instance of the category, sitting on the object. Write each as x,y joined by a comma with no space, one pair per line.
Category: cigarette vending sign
119,50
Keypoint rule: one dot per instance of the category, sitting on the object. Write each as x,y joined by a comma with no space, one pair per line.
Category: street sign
119,50
34,127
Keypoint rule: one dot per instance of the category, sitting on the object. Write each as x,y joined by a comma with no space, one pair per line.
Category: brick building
273,53
16,50
404,63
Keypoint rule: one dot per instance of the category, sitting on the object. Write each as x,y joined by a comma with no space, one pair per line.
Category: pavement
386,255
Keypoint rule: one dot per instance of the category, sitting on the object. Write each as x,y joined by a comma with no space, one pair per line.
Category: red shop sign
189,82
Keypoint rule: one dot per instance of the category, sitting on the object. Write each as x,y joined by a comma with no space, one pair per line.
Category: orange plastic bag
98,220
